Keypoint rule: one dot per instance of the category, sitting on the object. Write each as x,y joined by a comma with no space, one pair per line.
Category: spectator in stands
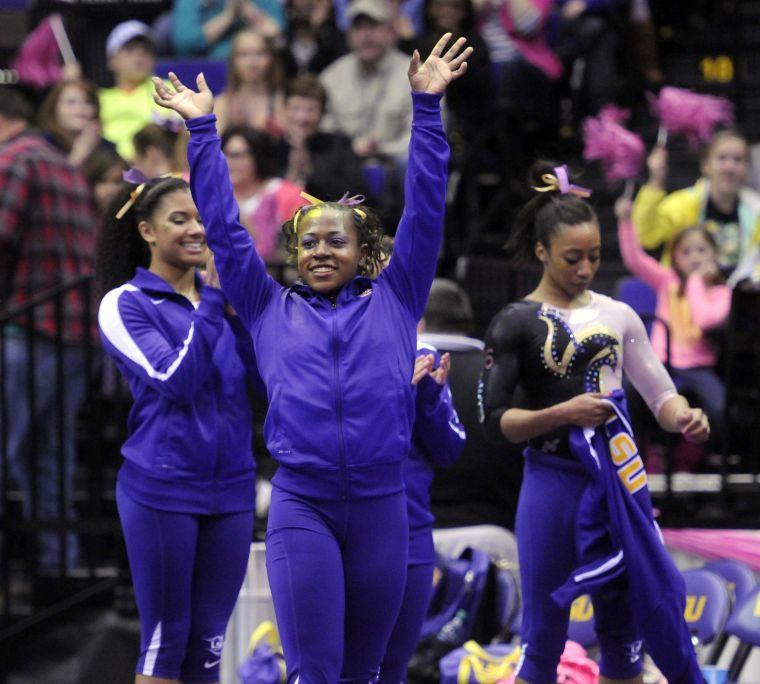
323,163
720,202
128,106
47,237
469,118
156,151
515,32
265,200
408,17
587,31
467,102
481,488
367,90
103,172
693,299
643,42
206,27
70,118
313,39
254,95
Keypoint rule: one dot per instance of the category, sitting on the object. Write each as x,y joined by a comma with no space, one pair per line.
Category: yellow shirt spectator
659,218
719,202
124,112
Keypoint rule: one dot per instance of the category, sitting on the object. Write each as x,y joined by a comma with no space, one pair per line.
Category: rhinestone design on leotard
596,346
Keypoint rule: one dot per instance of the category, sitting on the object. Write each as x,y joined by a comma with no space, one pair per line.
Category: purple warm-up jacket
437,440
337,370
189,443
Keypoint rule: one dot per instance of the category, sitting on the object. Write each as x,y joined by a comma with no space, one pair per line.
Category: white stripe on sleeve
117,334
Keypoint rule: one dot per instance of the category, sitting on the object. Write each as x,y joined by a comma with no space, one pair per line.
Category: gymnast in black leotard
566,347
556,354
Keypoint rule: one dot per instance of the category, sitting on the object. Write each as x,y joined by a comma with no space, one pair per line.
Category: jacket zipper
339,404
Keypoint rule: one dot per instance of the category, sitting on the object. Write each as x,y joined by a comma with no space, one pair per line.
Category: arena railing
30,594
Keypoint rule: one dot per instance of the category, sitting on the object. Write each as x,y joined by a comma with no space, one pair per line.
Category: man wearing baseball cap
128,106
367,90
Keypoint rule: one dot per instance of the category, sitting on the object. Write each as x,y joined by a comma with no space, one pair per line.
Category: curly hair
368,230
120,248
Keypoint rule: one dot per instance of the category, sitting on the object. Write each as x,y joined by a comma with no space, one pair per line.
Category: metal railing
49,459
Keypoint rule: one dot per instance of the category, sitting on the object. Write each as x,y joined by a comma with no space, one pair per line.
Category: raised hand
183,100
657,165
623,208
437,71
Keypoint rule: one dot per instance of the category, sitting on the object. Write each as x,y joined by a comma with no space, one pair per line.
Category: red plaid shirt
47,230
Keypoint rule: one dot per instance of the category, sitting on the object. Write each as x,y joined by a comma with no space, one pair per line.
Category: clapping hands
423,366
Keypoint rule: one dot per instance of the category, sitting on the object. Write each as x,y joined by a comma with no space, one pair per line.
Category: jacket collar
351,290
150,282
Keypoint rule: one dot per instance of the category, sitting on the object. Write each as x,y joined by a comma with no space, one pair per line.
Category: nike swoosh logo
157,301
208,665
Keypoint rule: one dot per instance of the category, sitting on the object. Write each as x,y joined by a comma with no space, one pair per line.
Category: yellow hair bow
314,201
135,176
559,181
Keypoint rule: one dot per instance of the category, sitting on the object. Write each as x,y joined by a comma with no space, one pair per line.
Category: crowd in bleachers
538,67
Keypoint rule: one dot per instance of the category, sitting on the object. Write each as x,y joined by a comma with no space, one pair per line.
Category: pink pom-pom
614,113
691,114
619,151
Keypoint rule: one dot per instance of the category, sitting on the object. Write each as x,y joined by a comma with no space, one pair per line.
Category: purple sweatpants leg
406,633
337,571
187,571
545,526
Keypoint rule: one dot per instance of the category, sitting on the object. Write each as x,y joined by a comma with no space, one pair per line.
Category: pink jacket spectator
534,47
264,213
689,316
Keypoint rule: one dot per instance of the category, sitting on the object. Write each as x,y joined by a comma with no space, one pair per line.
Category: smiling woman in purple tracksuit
185,493
336,353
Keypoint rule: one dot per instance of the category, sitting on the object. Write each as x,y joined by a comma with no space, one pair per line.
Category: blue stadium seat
582,628
741,581
708,604
740,578
745,619
744,623
639,296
